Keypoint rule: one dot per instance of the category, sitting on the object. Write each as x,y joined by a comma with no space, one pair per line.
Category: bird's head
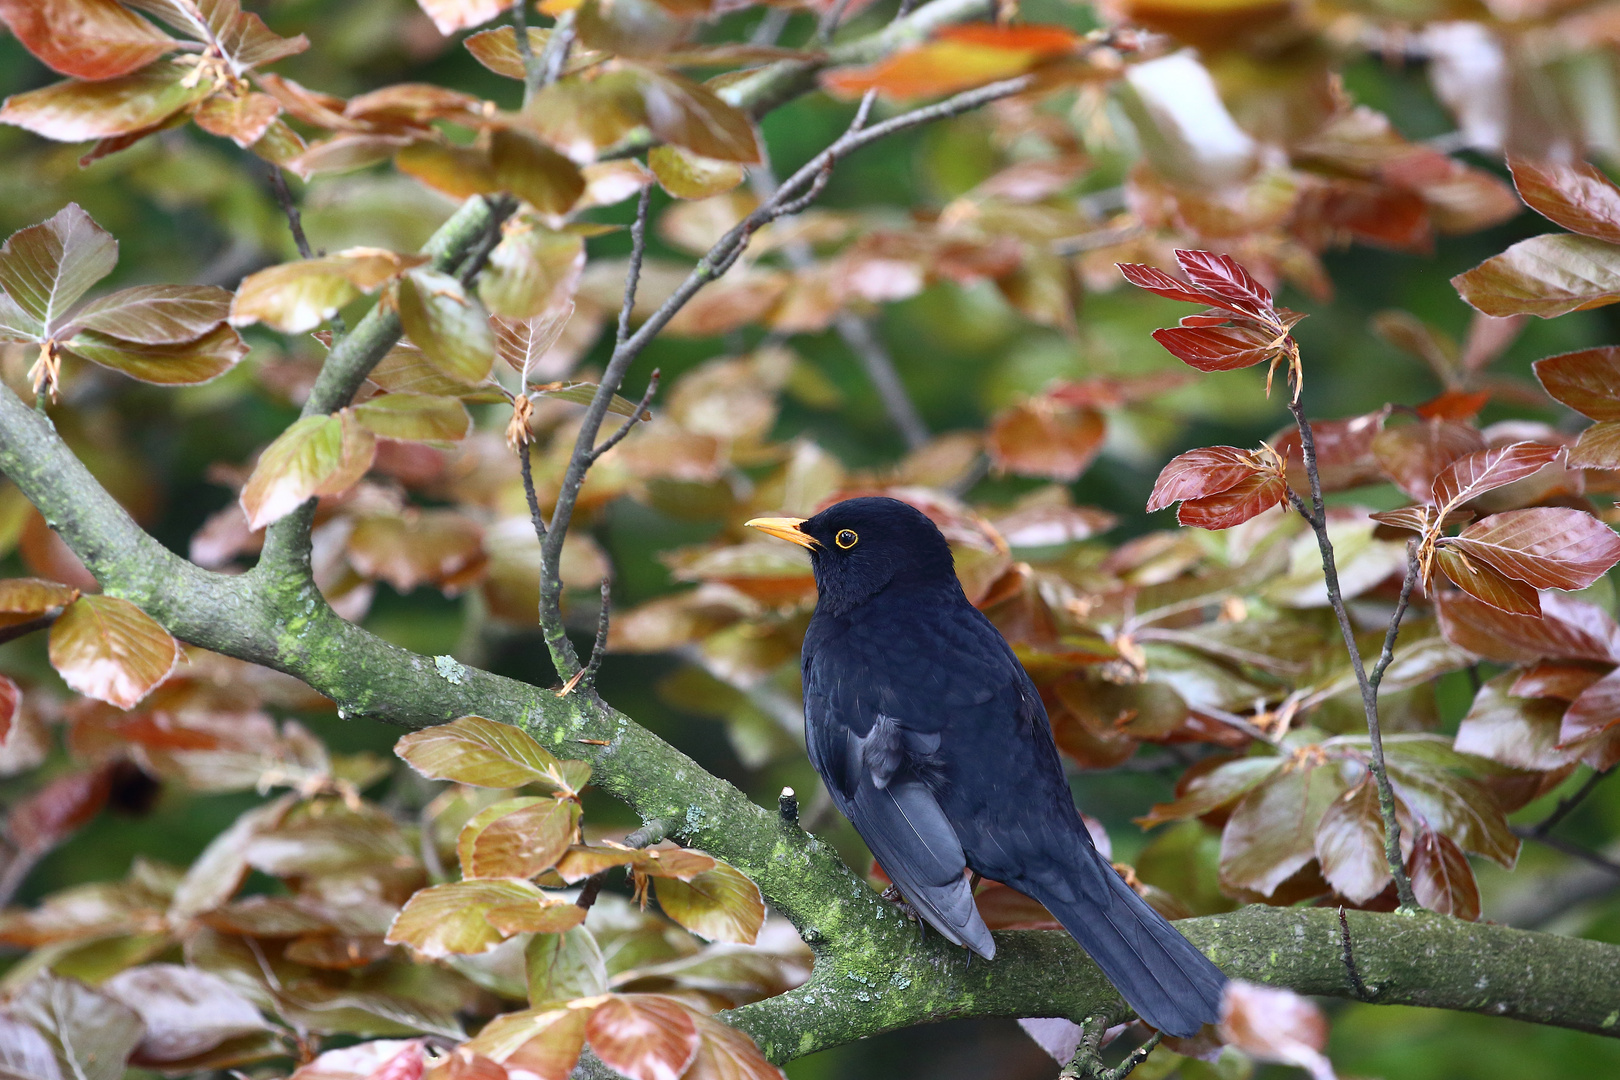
861,546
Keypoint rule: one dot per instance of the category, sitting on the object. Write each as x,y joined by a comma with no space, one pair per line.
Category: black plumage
933,741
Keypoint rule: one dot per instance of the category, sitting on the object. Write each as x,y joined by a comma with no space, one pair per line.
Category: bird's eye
846,538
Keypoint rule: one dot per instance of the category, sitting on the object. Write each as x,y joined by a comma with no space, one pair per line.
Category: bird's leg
894,896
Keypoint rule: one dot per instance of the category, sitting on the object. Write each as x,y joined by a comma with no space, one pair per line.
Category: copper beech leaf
1594,710
415,417
449,326
46,268
186,1010
1414,455
1272,834
442,920
52,813
473,750
1598,447
1567,629
1486,470
719,904
1548,547
544,1043
1350,844
1219,348
534,172
242,118
959,58
10,703
186,363
157,314
25,599
1545,275
318,455
88,39
727,1054
1455,804
90,1035
561,967
1222,276
1208,470
1275,1025
690,115
1042,438
1441,877
1254,494
1576,196
643,1036
686,175
76,111
1519,731
517,838
533,272
1484,583
1587,381
299,296
111,650
417,547
1214,790
523,343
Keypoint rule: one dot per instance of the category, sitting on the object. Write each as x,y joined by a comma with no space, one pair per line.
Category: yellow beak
785,528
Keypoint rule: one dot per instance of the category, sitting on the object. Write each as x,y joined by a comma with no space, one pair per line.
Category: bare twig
1349,956
861,337
23,629
1387,655
1087,1063
646,836
1564,807
1316,517
555,55
599,647
533,70
1097,238
625,428
632,276
528,492
1558,843
295,220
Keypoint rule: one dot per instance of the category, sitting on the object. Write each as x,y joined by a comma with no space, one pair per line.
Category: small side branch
1363,992
599,646
295,220
1565,806
1316,516
629,424
555,56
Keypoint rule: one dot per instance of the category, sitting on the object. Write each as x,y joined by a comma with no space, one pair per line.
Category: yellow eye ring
846,539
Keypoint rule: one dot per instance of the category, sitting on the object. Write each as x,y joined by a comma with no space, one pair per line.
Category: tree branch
1316,517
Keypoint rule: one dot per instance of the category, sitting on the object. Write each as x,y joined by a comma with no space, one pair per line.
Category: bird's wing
870,761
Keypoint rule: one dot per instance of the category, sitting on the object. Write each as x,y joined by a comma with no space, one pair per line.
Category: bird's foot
894,896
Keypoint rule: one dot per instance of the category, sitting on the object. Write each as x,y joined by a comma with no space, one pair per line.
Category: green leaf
1546,275
533,271
318,455
534,172
76,111
184,363
544,1043
299,296
719,904
517,838
415,417
581,117
473,750
157,314
1271,835
111,650
562,967
445,919
45,268
686,175
405,370
450,327
583,393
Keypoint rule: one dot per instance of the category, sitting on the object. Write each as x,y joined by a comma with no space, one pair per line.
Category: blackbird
934,743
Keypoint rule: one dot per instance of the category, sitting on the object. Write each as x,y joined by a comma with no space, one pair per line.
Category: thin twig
295,220
632,276
829,22
1558,843
1349,957
1386,656
555,55
640,413
1316,517
533,70
1560,812
599,647
23,629
535,516
503,206
646,836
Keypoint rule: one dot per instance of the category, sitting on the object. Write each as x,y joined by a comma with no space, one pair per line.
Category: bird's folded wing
910,838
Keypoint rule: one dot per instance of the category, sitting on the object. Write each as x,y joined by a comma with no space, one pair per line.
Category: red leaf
1157,281
90,39
1549,547
643,1036
1414,454
1595,710
1344,457
111,650
1042,39
1578,197
10,702
1598,447
75,111
1568,629
1208,470
1442,878
1220,348
1036,438
1256,494
1587,381
1554,680
1455,404
1486,470
1483,583
45,818
1224,277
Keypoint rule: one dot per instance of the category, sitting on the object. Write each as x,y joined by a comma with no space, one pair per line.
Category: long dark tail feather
1169,983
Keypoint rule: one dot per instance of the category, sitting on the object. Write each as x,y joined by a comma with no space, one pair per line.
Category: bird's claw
894,896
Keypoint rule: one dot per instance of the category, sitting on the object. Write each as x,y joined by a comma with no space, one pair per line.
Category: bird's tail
1169,983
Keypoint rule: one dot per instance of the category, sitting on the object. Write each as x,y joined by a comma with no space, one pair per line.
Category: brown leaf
187,363
1594,710
1545,275
534,172
1587,381
318,455
111,650
1208,470
1568,629
45,268
157,314
416,548
727,1054
1255,494
473,750
1275,1025
1441,877
1038,438
415,417
186,1010
543,1043
686,175
1272,833
43,819
692,116
1555,680
1598,447
299,296
89,39
449,326
25,599
1220,348
533,272
451,919
643,1036
1576,196
1482,582
1549,547
242,118
517,838
1414,455
1350,844
959,59
76,111
1486,470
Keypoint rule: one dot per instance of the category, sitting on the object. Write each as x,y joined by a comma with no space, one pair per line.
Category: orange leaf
111,650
